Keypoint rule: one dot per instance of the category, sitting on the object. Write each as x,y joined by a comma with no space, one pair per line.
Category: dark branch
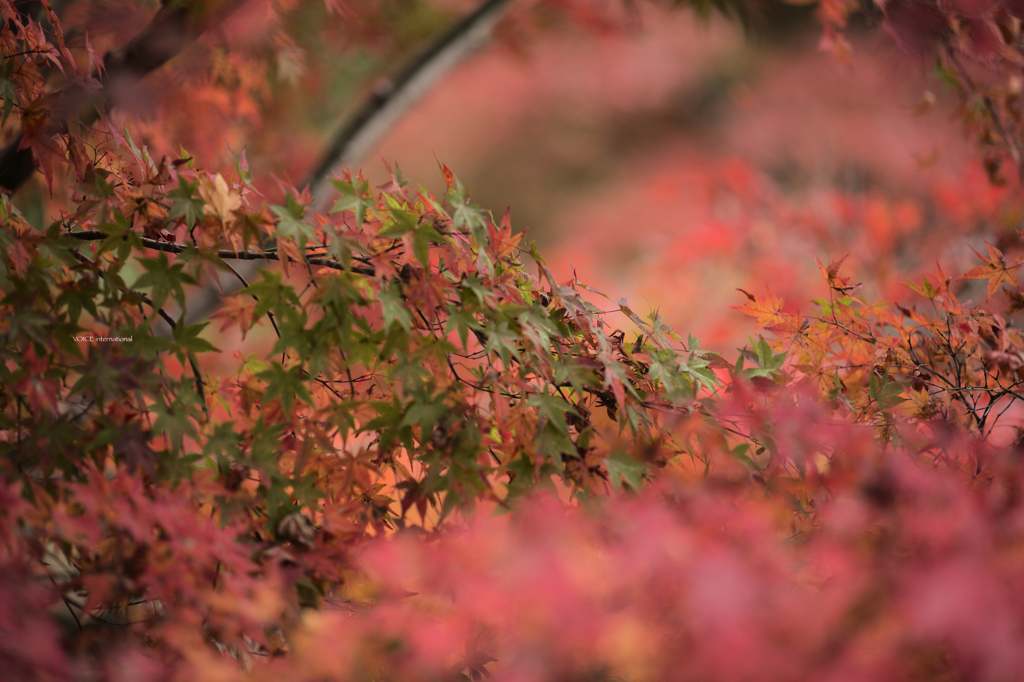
227,254
16,165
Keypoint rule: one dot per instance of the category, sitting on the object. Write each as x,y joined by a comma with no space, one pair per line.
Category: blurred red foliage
431,456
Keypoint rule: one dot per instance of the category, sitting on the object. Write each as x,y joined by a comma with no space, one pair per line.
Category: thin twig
225,254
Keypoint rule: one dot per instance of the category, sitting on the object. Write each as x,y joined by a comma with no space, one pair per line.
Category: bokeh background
677,158
674,158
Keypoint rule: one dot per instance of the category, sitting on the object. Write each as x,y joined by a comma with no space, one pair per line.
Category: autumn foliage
405,449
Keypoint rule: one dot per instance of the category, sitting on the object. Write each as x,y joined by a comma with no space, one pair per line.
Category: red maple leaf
995,270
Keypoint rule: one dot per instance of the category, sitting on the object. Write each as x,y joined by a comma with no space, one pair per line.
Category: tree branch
377,114
96,235
386,105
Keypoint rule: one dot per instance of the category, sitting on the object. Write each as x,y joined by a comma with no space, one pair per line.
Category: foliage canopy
839,499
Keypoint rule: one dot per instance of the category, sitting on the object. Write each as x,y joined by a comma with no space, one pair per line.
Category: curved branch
381,111
386,105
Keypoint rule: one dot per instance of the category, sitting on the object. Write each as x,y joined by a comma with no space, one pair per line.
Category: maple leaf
922,404
887,356
835,282
36,120
788,324
1016,301
291,250
40,392
927,288
767,311
503,242
449,177
396,181
995,270
912,314
237,310
95,61
220,199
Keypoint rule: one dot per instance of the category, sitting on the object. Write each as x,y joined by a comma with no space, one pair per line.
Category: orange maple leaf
995,270
767,310
237,311
291,250
831,274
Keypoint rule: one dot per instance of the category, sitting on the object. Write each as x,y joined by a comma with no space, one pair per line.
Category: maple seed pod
297,528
